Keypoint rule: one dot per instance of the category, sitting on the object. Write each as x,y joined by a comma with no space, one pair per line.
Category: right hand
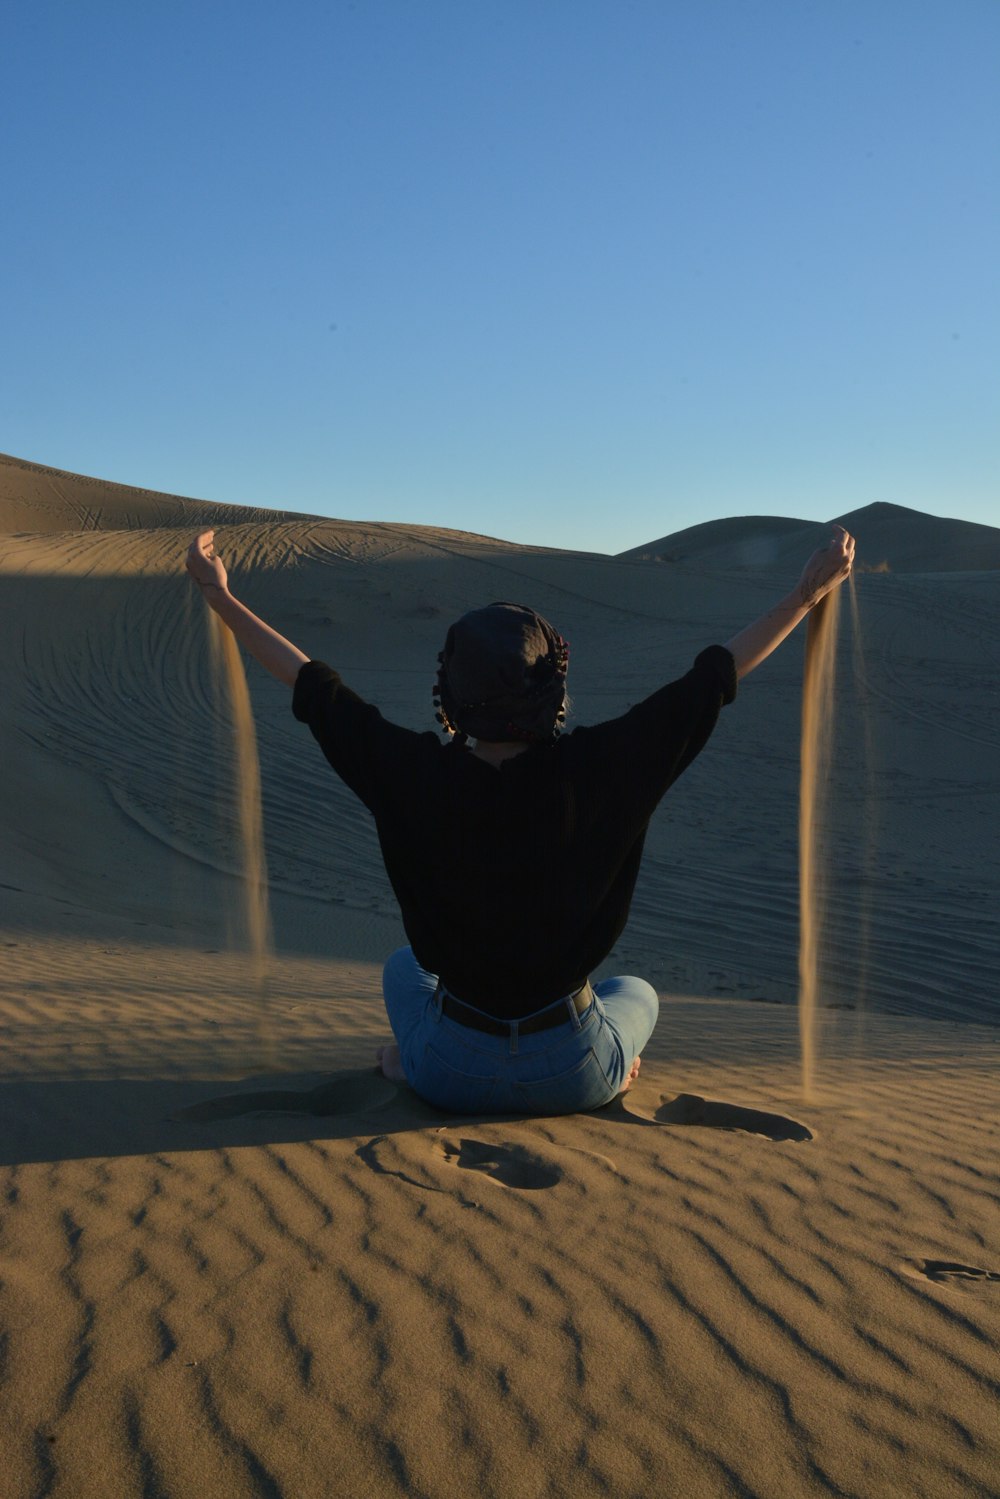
204,566
827,568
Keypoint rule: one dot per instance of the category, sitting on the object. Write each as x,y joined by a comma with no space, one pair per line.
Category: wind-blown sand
306,1283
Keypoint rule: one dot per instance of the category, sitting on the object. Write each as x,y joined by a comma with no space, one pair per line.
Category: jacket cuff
312,674
719,661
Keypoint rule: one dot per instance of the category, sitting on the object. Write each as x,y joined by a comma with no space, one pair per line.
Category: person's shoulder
584,742
709,682
418,741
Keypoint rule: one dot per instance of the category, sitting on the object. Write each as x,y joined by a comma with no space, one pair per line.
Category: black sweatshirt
515,882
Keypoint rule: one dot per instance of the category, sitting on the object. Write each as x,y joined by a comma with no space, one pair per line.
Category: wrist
214,593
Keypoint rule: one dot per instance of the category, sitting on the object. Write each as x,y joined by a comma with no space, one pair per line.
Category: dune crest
891,538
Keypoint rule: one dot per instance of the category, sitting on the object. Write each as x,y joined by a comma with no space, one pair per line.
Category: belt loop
438,1000
513,1038
574,1013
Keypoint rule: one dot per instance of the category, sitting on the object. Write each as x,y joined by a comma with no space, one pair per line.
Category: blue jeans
578,1065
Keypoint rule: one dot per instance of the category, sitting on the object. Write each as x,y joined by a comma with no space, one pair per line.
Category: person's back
514,873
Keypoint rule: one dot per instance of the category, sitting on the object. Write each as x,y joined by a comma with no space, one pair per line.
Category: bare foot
390,1064
632,1076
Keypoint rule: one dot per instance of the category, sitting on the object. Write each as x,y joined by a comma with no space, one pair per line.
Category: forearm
276,654
754,644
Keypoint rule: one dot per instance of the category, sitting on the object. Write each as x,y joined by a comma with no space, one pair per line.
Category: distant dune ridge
892,537
309,1284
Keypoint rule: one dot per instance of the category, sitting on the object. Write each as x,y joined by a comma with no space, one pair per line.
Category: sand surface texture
234,1261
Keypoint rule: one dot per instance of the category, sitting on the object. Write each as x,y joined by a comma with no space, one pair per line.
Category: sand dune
40,500
236,1262
891,538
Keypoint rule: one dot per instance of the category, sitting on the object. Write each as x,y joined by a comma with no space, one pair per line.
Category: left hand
827,568
204,566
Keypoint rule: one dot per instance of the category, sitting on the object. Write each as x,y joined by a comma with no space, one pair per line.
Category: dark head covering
503,676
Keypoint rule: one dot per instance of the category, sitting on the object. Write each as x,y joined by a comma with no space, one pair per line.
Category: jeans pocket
583,1086
464,1083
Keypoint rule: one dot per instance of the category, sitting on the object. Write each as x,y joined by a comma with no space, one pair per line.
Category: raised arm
276,654
826,569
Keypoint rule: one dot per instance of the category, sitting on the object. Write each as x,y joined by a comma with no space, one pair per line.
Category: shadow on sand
74,1120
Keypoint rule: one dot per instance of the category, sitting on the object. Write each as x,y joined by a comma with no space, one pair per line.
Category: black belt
552,1015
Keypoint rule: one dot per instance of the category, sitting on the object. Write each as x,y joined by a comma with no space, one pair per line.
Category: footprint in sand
692,1109
945,1271
511,1165
348,1093
418,1160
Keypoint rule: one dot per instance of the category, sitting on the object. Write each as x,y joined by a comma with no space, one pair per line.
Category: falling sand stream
256,912
817,738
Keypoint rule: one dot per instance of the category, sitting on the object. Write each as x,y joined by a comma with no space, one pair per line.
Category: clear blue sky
573,272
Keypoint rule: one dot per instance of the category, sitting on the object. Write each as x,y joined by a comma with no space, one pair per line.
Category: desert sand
235,1261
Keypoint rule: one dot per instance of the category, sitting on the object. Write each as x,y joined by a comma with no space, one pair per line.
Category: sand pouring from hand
817,722
256,909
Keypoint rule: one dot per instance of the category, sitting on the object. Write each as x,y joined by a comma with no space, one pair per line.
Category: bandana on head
503,676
